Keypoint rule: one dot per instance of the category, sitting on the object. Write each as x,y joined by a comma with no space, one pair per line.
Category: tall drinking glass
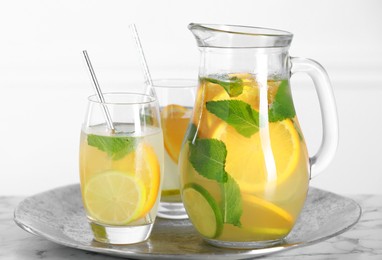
176,99
121,169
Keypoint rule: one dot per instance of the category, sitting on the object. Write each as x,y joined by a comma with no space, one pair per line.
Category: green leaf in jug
232,85
236,113
208,156
232,204
282,106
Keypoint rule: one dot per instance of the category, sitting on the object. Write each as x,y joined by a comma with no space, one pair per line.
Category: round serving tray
58,215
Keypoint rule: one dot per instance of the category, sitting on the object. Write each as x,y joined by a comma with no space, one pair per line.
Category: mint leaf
236,113
232,85
207,156
115,147
232,204
282,106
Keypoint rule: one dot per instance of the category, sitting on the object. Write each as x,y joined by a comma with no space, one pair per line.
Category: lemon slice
203,210
268,208
172,192
261,220
251,90
203,120
253,168
114,197
144,165
175,119
264,218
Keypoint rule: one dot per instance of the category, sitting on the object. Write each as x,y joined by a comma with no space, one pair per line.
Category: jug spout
234,36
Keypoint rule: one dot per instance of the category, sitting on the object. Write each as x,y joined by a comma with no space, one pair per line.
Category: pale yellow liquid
93,161
174,129
270,206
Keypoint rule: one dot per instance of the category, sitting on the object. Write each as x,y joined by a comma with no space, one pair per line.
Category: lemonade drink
175,120
176,98
120,177
244,167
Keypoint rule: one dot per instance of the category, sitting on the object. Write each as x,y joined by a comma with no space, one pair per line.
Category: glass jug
244,164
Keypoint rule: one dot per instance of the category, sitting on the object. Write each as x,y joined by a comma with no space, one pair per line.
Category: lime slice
114,197
203,210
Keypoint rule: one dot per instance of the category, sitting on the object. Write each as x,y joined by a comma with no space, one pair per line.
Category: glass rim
175,83
243,29
147,98
240,36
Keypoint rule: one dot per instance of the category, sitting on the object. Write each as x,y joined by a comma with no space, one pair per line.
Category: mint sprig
115,147
232,85
232,205
245,119
282,106
208,156
236,113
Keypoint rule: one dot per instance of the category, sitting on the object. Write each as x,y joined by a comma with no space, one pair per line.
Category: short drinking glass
121,166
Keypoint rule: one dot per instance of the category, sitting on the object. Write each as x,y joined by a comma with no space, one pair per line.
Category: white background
44,84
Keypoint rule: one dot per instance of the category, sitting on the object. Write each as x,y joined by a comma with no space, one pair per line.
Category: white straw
98,91
145,68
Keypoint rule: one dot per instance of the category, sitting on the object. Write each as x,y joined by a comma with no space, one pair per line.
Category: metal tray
58,215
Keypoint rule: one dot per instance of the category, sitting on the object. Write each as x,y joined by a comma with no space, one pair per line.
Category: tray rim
126,254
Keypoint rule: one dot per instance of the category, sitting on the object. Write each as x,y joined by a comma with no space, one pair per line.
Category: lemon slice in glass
175,119
114,198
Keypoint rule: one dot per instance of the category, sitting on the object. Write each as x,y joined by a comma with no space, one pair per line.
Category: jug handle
324,91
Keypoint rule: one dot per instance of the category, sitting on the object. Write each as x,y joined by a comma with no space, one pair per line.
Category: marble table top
363,241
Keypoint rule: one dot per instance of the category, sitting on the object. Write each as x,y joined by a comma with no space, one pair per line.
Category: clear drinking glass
121,170
176,99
